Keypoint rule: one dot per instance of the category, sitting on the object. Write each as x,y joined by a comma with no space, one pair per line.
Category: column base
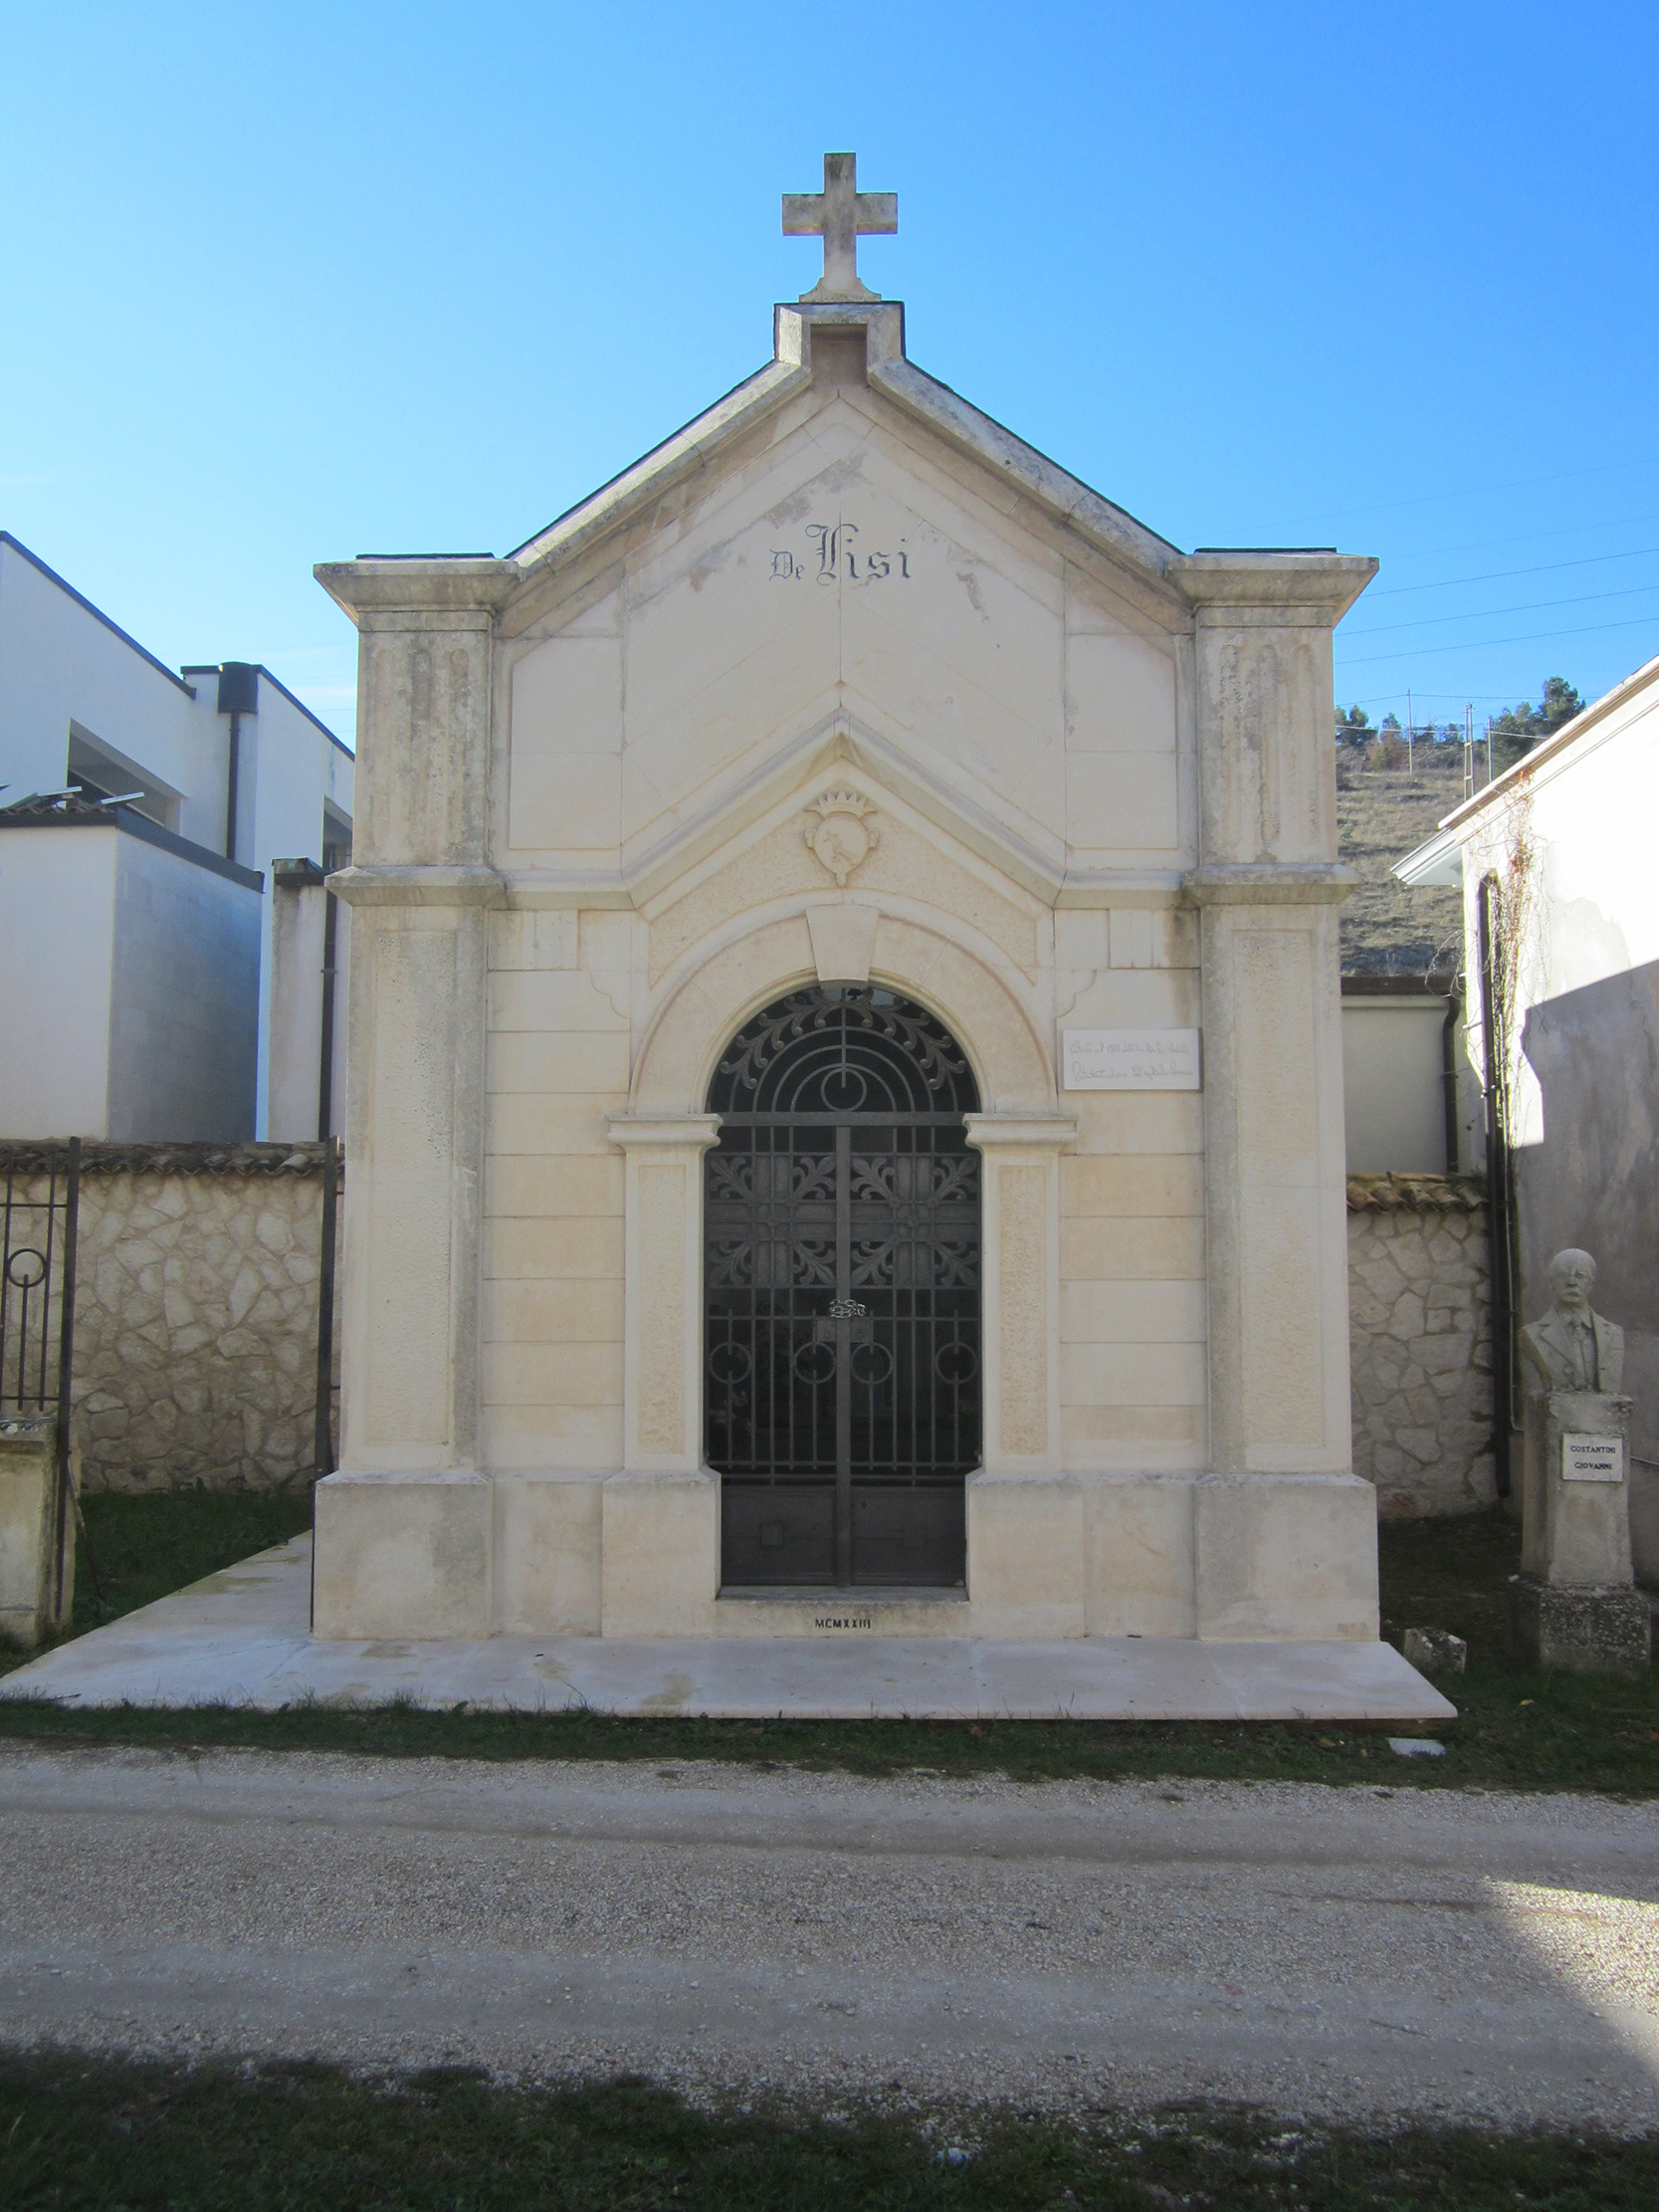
401,1556
1580,1628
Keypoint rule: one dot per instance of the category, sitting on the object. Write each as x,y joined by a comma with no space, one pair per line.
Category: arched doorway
841,1287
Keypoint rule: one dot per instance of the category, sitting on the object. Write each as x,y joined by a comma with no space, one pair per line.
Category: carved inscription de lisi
833,556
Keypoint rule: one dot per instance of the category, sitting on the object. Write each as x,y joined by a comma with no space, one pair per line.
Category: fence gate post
65,1534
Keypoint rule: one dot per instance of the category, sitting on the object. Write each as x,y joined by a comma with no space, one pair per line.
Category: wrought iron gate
842,1294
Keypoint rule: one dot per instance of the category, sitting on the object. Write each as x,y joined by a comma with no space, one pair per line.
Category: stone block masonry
1420,1347
195,1313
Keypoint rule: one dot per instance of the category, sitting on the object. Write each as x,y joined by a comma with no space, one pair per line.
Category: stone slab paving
1336,1952
242,1637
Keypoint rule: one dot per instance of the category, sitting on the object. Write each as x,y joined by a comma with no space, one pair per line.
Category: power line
1484,491
1478,615
1532,537
1479,644
1478,699
1501,575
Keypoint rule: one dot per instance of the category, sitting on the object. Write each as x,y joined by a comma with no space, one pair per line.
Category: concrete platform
241,1637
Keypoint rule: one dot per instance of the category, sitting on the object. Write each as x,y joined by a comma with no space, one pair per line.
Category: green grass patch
1517,1729
146,1547
95,2134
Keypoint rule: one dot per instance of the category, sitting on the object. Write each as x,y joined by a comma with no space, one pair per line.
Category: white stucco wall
294,765
183,999
1570,837
60,663
56,927
1393,1085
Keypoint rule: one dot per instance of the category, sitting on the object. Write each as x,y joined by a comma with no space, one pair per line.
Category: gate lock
863,1329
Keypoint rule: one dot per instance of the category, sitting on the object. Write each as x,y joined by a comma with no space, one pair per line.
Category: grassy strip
1515,1730
81,2133
148,1546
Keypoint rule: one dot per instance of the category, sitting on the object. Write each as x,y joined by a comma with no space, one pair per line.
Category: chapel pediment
843,544
849,566
842,833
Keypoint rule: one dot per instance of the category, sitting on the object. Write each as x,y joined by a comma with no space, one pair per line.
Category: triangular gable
702,442
673,646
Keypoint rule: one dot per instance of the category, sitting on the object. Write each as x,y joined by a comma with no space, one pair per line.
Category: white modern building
1406,1108
1561,911
155,822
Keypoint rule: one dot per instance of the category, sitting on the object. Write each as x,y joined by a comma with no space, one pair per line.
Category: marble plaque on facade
1592,1458
1130,1060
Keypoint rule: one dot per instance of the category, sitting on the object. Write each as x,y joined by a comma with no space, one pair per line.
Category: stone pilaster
1284,1533
1025,1517
404,1529
659,1545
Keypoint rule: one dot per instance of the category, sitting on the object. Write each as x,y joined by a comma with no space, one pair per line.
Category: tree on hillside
1528,723
1354,728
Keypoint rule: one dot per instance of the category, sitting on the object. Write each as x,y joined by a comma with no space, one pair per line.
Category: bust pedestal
1574,1603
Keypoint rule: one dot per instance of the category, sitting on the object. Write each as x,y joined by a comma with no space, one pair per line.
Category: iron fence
37,1231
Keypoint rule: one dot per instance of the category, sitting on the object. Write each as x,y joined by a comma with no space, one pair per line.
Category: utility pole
1410,733
1469,750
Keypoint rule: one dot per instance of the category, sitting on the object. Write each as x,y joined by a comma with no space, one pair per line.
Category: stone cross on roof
840,212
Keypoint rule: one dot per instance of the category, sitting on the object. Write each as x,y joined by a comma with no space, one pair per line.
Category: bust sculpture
1574,1603
1573,1348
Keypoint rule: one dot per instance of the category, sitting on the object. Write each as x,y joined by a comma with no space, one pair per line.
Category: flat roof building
148,810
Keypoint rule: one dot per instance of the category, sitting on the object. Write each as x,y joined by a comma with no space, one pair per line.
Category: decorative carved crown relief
842,837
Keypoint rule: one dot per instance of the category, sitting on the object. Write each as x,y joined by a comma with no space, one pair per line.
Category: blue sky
285,284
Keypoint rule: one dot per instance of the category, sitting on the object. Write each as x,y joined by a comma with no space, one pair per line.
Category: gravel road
1321,1951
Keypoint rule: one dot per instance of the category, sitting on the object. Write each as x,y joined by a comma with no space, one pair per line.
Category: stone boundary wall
198,1277
196,1304
1421,1344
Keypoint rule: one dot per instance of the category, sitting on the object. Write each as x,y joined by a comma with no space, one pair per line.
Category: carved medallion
842,836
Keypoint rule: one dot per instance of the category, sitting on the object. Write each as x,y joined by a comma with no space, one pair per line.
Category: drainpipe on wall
325,1073
238,696
1448,1070
1499,1216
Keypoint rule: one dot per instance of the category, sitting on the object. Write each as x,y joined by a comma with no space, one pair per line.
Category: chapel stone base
1050,1558
1579,1630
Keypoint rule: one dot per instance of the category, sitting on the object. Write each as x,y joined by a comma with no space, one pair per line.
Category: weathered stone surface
1419,1344
1579,1630
1435,1650
195,1314
34,1600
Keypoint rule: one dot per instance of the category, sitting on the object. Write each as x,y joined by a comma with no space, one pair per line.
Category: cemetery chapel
845,1102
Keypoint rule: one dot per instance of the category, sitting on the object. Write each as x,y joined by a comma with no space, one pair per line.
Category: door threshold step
821,1594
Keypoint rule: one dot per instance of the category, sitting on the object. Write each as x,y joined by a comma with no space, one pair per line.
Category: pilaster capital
1021,1132
1271,883
663,1132
373,589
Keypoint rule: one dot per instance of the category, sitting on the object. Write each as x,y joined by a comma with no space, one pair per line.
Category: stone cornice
1066,497
1299,588
688,450
437,584
370,886
1271,883
1302,588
